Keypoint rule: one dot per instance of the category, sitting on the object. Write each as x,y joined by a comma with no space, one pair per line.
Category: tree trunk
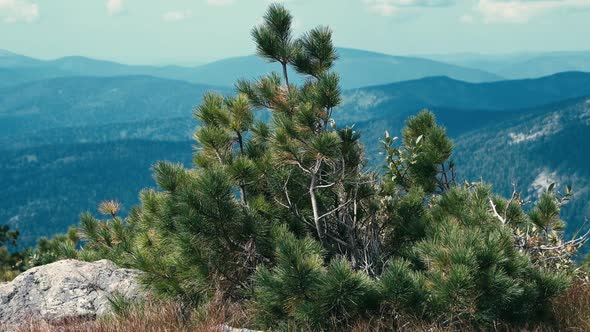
314,204
242,185
240,142
285,74
243,194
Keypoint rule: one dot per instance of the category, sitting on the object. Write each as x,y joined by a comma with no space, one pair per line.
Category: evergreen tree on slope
284,215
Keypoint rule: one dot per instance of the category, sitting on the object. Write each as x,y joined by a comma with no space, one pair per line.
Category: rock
66,290
226,328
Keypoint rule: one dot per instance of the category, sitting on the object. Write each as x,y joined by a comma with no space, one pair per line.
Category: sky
196,31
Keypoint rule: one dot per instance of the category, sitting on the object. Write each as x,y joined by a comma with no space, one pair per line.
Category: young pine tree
283,215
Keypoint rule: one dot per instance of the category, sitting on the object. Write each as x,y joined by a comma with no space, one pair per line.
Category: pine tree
457,256
310,156
285,216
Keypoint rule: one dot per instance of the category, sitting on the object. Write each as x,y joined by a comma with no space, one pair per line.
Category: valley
68,142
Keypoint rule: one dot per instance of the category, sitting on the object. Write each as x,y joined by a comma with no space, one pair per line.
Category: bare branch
325,185
296,162
335,209
573,242
281,204
496,212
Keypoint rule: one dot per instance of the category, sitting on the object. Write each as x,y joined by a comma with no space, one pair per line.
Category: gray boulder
65,290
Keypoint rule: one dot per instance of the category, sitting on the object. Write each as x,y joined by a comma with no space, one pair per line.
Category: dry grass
572,309
434,327
152,317
571,312
413,325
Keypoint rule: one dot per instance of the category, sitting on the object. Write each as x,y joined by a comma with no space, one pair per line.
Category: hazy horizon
196,32
198,62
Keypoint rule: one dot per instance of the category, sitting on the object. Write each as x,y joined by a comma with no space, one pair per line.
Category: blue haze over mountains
358,68
75,131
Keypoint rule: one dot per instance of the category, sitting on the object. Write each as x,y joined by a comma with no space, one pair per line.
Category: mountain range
76,131
32,111
526,65
358,68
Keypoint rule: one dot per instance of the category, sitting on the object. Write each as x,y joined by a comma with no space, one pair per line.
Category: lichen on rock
64,290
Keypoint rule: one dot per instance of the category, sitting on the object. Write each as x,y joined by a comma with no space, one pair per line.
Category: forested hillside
92,101
80,102
47,122
531,151
44,189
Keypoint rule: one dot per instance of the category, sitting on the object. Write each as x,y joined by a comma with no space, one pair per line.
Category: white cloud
220,2
521,11
12,11
381,7
114,7
177,15
391,7
467,19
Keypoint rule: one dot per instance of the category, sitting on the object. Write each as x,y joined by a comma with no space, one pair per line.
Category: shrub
285,216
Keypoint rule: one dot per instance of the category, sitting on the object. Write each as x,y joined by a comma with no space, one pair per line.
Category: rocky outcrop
226,328
64,290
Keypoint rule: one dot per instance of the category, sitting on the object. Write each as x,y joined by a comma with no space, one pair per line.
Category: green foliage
419,162
315,54
473,266
403,287
122,306
14,261
301,290
10,262
47,251
273,38
285,216
467,263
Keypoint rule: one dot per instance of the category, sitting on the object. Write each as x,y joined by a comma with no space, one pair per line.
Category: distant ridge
144,102
6,53
377,68
90,101
521,65
506,95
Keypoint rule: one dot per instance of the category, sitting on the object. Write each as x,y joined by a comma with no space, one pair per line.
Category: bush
300,289
285,217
